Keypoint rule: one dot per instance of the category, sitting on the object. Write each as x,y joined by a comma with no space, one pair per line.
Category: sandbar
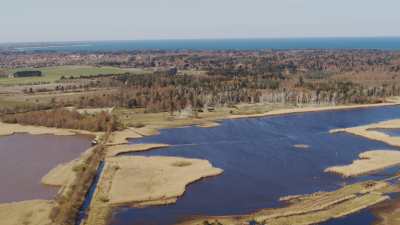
368,131
369,162
310,109
309,209
121,137
116,150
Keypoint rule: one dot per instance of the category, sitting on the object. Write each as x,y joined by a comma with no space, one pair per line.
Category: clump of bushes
62,118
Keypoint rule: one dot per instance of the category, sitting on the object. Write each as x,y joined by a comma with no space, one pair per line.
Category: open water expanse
261,164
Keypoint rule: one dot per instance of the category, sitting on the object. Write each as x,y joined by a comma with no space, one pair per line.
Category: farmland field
52,74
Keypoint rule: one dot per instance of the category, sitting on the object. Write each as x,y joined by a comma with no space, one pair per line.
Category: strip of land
10,129
368,131
116,150
310,209
369,162
311,109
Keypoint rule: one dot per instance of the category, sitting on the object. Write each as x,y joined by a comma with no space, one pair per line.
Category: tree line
63,118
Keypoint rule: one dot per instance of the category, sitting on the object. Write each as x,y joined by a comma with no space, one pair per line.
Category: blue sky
76,20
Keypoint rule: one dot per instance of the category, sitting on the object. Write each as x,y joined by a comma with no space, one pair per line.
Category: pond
25,159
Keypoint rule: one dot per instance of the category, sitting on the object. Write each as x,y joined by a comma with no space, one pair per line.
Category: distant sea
382,43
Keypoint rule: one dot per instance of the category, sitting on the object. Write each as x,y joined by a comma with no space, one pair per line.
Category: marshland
231,137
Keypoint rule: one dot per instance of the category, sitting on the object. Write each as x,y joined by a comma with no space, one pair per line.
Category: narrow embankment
71,199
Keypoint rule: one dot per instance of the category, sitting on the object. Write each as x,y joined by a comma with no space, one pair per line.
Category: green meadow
52,74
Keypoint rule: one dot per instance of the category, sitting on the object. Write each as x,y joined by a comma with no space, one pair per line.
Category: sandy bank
310,109
60,175
10,129
119,149
311,209
144,181
301,146
121,137
369,162
35,212
368,131
208,124
65,173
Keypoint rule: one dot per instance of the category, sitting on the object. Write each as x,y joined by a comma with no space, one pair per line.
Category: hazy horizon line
199,39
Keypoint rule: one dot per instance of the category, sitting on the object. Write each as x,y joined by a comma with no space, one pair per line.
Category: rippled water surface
260,162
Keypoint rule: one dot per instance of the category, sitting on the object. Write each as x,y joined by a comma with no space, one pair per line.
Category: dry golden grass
119,149
121,137
61,175
9,129
144,181
34,212
368,131
369,162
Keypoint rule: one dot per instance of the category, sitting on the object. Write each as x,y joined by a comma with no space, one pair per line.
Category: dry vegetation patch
368,131
121,137
144,181
369,162
34,212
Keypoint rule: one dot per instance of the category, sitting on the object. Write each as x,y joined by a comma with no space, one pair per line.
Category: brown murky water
25,159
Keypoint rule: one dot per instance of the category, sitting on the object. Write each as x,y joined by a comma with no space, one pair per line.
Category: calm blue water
387,43
260,163
363,217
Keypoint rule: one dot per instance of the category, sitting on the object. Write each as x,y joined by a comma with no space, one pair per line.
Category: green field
52,74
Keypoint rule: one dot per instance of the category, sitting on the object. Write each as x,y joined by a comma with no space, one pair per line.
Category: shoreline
149,130
7,129
119,139
201,123
63,176
308,209
368,162
369,131
308,109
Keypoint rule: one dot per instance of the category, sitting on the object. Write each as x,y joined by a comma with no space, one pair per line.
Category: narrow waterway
25,159
82,214
261,163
